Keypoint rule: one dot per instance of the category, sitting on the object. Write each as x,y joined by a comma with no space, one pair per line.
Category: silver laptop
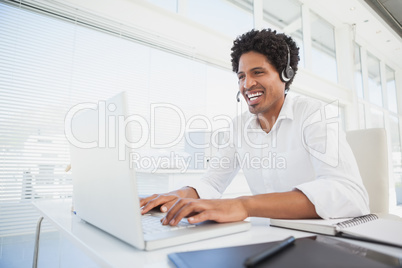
105,189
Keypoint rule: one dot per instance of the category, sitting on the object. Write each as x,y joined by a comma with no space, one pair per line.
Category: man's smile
254,97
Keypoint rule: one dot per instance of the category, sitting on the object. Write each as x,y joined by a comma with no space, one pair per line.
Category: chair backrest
370,149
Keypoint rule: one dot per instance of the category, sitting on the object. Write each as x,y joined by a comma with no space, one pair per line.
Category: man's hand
199,210
185,202
166,201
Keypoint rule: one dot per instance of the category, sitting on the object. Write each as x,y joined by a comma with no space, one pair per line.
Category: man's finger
168,205
174,210
159,200
185,208
200,217
145,200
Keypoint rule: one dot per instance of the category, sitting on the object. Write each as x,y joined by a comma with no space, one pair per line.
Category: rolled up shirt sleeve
337,190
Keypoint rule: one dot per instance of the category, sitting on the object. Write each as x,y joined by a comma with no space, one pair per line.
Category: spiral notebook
369,227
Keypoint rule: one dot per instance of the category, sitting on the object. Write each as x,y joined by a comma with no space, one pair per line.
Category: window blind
34,87
48,65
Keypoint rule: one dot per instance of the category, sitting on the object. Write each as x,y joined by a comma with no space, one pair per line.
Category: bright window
396,156
358,72
376,118
285,16
323,48
362,119
391,90
374,80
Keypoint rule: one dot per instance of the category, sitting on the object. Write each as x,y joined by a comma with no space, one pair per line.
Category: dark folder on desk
318,251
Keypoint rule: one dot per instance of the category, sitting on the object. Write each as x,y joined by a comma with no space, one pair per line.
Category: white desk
108,251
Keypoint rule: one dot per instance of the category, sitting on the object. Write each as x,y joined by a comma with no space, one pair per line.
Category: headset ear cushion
289,72
284,77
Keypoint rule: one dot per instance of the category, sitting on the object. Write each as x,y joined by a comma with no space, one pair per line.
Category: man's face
260,85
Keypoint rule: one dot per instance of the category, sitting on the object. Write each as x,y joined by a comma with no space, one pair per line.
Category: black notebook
317,251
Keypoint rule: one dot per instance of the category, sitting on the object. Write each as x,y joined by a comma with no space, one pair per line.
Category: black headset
288,72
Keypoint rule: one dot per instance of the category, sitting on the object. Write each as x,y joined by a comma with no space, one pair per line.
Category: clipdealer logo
112,125
325,117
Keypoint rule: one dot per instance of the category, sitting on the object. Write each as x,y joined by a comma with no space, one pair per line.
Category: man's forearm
287,205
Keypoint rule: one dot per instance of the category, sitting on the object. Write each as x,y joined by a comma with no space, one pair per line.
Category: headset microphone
288,72
237,97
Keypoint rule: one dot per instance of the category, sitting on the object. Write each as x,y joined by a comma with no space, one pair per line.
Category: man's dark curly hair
269,43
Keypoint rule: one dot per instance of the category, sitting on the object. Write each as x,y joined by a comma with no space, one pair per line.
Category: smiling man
261,87
318,175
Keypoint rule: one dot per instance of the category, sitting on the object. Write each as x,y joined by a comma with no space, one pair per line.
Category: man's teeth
254,96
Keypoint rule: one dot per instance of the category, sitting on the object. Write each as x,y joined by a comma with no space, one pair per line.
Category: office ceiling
369,28
390,11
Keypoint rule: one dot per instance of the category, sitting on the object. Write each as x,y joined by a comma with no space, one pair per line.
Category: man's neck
266,122
268,119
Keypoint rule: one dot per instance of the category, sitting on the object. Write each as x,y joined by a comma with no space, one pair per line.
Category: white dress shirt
305,149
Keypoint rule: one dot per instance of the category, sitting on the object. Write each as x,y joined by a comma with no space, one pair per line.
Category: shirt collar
285,113
287,109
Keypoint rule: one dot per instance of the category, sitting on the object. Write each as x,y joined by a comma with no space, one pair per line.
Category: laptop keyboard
152,224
